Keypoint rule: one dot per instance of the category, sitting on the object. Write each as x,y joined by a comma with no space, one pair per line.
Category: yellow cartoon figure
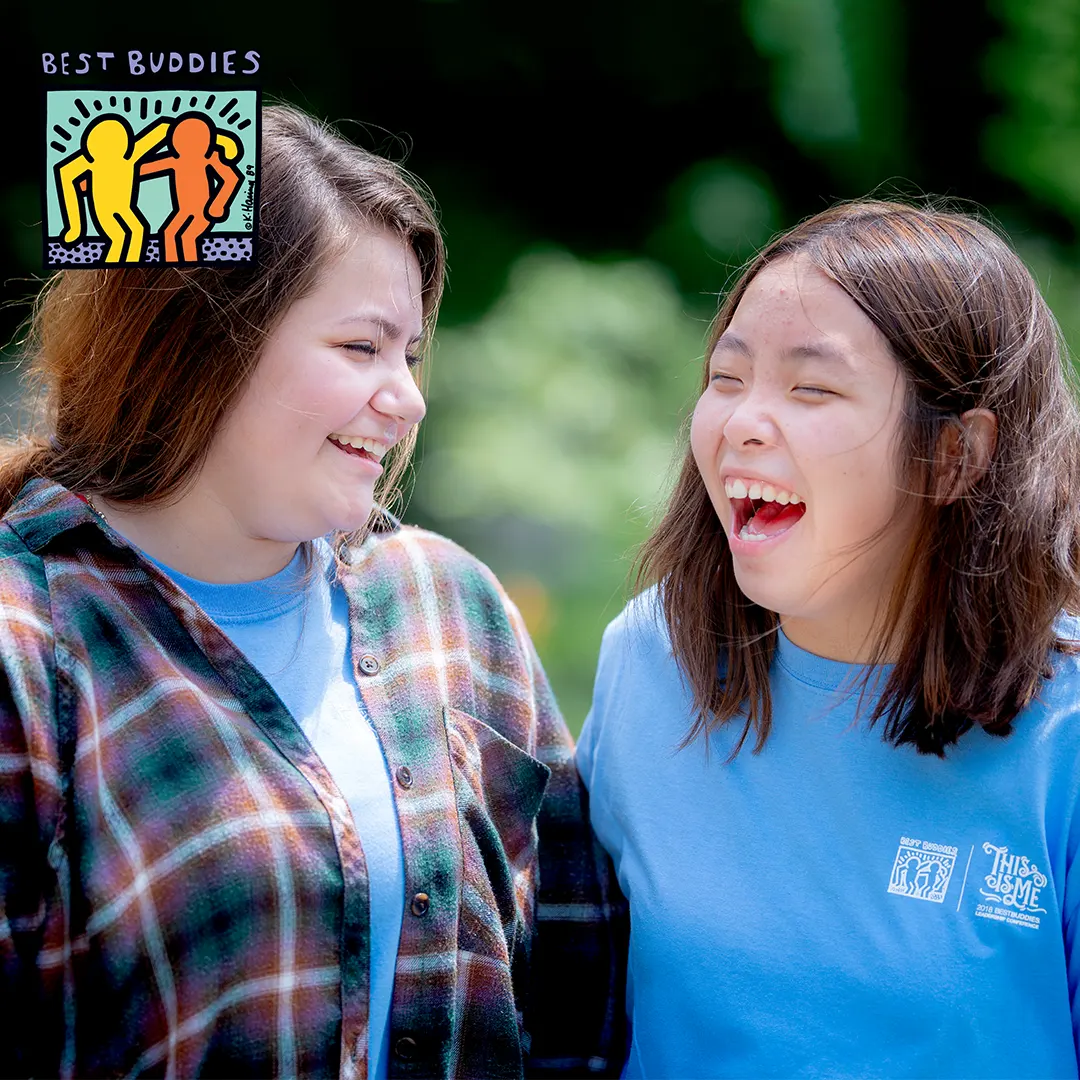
104,170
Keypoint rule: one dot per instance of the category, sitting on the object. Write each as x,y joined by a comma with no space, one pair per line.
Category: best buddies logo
138,176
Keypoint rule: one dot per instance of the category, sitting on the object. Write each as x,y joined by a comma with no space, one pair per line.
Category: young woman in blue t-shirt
833,745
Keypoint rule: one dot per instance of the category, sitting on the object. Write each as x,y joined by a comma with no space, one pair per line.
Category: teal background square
154,197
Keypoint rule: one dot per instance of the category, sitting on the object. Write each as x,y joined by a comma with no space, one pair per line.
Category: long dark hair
137,367
990,571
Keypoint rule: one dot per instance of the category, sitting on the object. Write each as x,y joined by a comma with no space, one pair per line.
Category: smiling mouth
761,511
367,449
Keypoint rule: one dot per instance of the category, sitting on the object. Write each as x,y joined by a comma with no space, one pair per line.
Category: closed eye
369,348
725,379
816,390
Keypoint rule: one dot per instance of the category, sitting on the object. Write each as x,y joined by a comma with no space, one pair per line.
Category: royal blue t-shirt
835,905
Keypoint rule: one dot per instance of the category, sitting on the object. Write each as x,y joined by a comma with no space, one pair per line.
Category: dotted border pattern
89,253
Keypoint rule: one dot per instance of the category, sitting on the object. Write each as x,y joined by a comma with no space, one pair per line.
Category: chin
340,508
349,520
774,599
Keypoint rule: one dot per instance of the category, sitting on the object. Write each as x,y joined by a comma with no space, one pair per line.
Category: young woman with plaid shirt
283,788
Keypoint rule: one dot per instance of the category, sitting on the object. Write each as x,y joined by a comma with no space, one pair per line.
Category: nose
751,422
399,397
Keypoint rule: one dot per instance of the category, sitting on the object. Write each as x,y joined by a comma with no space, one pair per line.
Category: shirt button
404,776
420,904
369,665
405,1048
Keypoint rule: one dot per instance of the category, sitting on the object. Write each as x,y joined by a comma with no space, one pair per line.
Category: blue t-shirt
835,905
294,628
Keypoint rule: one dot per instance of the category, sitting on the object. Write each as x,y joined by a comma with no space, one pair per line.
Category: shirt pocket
499,788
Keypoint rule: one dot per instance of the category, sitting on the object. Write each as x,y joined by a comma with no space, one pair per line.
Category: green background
601,169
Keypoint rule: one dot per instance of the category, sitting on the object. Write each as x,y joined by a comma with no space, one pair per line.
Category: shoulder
422,584
24,588
637,672
1058,700
1067,628
641,712
1061,690
639,631
427,604
1046,731
14,551
413,552
27,661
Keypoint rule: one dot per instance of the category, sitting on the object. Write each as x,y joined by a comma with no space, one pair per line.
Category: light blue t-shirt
296,634
835,905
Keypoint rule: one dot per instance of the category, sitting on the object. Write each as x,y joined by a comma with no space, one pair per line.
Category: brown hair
139,366
990,571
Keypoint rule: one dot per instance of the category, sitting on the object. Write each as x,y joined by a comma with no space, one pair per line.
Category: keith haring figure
197,155
104,170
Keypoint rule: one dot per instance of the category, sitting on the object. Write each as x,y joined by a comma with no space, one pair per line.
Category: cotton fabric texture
182,888
837,906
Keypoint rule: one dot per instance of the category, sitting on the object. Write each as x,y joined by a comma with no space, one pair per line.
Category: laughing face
796,438
299,454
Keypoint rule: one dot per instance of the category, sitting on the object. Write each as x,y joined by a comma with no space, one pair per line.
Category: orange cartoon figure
104,170
204,183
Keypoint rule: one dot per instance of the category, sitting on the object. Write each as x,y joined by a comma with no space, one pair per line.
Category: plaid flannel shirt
182,888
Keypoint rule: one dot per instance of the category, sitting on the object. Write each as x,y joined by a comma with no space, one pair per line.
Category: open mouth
762,511
367,449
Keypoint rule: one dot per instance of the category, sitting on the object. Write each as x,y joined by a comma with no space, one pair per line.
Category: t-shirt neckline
246,600
820,671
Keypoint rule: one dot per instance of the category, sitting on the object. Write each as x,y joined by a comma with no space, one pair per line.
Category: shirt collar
44,510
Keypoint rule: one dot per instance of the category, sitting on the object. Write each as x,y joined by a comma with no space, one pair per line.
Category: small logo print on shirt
922,869
1011,889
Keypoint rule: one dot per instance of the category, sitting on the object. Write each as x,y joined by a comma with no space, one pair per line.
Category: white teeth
757,490
746,534
375,448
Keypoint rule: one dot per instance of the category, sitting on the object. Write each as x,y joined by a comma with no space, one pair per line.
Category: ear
965,449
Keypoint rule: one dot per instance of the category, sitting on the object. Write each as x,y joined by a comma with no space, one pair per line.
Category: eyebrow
387,328
811,350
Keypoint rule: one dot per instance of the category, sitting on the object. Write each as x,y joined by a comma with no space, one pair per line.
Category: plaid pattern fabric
182,889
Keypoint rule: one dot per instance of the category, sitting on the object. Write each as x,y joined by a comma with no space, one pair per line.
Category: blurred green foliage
1035,67
552,426
602,169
